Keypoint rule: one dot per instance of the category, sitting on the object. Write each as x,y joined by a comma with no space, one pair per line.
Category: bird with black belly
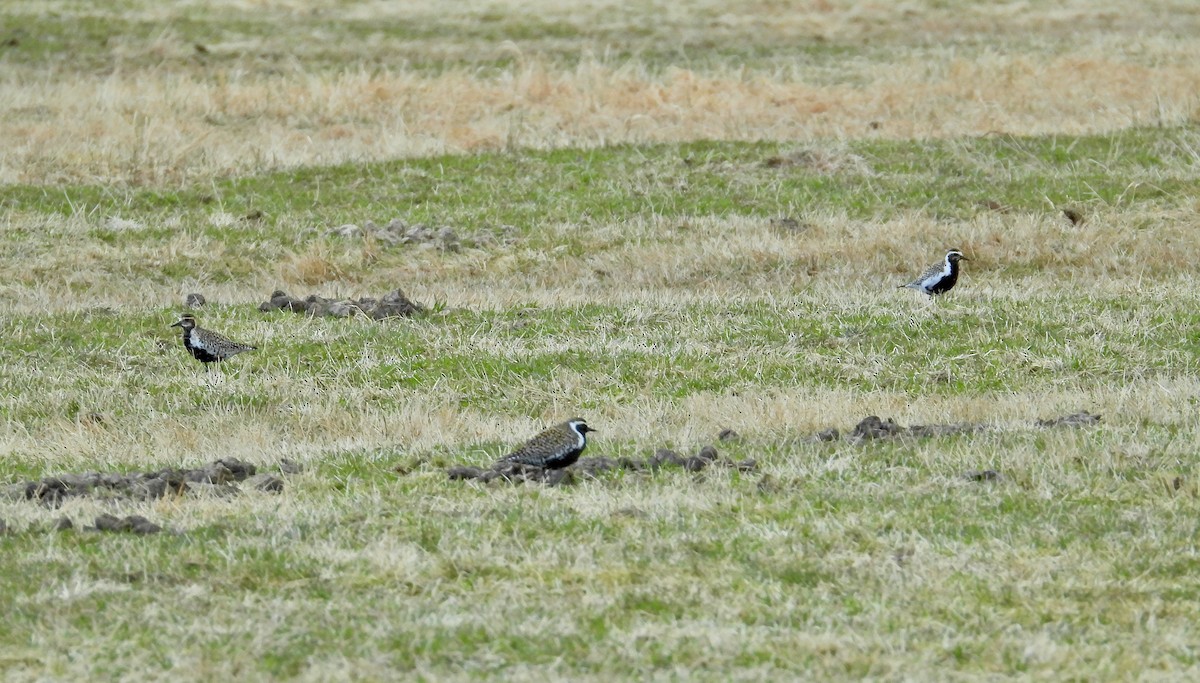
940,277
207,346
555,448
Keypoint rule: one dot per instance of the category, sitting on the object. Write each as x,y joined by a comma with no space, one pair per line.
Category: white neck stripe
582,437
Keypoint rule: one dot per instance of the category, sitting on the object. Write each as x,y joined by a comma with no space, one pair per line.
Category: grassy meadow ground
677,217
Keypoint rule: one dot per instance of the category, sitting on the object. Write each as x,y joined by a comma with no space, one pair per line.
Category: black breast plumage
199,352
947,282
555,448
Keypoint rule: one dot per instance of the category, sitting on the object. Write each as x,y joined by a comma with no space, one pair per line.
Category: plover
555,448
206,346
940,277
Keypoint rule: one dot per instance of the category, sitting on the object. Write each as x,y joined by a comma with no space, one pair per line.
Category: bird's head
187,321
579,426
954,256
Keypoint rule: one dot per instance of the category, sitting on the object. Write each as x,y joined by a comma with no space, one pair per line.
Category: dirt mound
131,524
821,161
1080,419
873,427
870,428
441,237
224,477
397,232
392,305
982,475
511,472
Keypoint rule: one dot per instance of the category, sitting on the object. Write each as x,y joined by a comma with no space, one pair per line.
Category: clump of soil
441,237
870,428
728,434
511,472
791,226
133,524
1074,215
220,478
983,475
1080,419
821,161
392,305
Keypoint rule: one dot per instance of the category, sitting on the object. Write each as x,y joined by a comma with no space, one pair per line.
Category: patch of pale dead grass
650,262
172,128
151,125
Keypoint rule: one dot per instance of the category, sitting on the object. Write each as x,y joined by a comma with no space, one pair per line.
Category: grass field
675,218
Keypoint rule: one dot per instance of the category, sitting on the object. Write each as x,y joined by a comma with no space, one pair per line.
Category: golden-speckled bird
554,448
207,346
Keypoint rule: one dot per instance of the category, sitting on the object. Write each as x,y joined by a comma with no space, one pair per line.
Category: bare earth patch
219,478
394,304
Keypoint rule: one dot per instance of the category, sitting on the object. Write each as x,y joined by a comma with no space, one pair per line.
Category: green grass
985,347
948,178
85,37
769,566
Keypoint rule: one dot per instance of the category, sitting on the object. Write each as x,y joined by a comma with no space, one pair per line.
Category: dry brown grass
160,118
1016,256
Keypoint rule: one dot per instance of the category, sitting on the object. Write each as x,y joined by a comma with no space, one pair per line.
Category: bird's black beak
177,323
